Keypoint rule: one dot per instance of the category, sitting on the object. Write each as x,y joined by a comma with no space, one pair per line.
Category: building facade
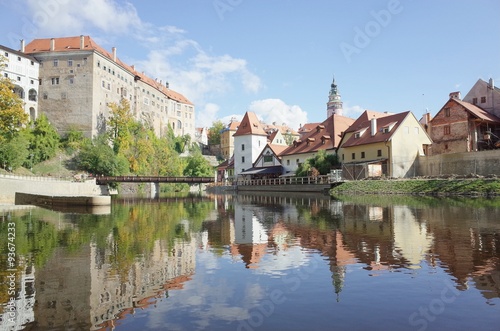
23,71
486,96
79,79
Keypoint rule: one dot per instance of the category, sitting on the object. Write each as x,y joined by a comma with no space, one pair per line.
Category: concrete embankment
50,187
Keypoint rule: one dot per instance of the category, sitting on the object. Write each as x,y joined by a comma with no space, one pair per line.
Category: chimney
133,67
52,44
455,95
167,84
373,126
82,42
491,84
22,46
114,53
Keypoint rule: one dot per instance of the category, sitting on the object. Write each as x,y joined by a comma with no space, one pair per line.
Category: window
32,63
287,162
268,158
242,159
362,155
298,161
474,101
447,112
6,75
32,82
18,78
56,62
242,147
6,54
71,80
70,63
447,129
342,157
416,130
19,58
32,95
353,156
55,80
379,152
483,99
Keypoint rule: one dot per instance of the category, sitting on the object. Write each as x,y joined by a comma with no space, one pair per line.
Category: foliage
198,166
73,140
12,115
214,132
14,152
119,125
419,186
320,164
98,157
44,140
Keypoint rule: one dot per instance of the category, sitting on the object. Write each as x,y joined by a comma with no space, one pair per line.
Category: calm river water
252,262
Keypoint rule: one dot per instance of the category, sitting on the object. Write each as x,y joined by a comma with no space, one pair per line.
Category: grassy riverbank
466,186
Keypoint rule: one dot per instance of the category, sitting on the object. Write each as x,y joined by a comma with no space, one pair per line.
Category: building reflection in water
269,235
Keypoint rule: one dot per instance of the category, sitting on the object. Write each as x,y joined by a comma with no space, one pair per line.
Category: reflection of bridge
102,180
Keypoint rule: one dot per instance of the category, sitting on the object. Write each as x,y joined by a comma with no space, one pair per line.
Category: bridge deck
101,180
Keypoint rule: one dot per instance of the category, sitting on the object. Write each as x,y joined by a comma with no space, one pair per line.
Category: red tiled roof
328,132
308,127
478,112
233,126
363,121
384,121
278,149
65,44
250,125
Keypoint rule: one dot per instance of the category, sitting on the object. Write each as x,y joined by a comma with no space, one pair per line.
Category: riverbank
438,187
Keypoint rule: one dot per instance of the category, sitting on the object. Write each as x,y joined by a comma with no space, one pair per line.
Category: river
253,262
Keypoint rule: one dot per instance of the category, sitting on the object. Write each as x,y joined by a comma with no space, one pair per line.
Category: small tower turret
334,105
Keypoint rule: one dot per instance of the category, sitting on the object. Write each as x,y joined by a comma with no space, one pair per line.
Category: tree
14,152
12,114
214,132
198,166
44,140
98,157
320,164
119,124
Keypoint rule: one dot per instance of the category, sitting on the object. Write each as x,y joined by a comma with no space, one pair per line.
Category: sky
278,58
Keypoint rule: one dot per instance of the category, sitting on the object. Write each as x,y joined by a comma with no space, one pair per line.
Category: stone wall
482,163
46,186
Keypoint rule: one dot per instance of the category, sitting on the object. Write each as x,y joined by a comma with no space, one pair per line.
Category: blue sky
277,58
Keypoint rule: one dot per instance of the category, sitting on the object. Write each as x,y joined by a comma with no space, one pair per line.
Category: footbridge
104,180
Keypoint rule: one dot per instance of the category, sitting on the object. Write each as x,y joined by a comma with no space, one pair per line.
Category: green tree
214,132
198,166
14,152
320,164
44,140
73,140
98,157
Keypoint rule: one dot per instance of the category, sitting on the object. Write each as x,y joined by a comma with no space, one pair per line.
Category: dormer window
320,127
359,133
388,128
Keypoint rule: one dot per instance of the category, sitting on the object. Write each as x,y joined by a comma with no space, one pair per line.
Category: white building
249,141
23,71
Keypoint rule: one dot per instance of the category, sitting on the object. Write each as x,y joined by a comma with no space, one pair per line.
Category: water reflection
216,262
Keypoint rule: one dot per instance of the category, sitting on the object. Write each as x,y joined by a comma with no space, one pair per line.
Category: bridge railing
324,179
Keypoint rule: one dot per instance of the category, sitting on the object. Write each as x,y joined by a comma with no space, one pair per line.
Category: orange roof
382,122
278,149
477,112
250,125
325,135
308,127
66,44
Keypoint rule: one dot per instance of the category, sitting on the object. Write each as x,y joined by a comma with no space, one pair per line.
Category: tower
334,105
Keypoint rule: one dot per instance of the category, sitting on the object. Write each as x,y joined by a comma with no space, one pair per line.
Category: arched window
179,124
19,91
32,95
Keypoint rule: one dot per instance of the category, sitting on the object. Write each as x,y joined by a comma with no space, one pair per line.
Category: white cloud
50,17
352,111
170,55
276,110
206,116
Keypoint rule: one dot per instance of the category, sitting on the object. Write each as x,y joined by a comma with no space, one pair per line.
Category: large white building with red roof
79,79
